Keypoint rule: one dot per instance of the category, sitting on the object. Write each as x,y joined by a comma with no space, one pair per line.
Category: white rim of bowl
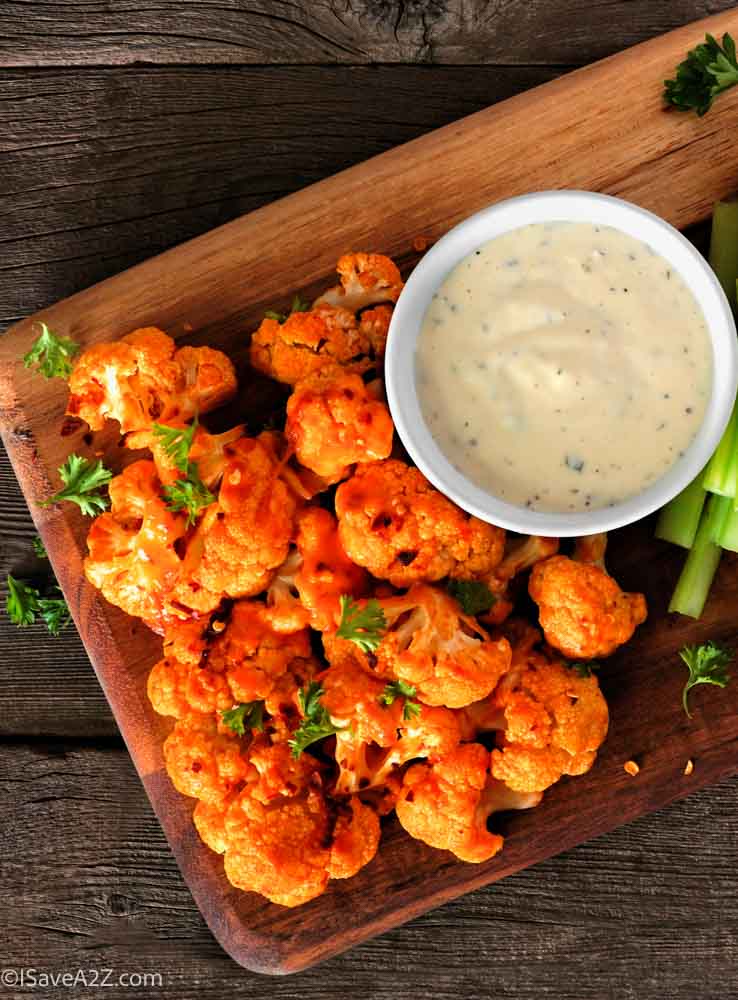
502,217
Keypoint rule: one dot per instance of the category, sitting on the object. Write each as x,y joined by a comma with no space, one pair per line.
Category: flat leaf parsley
363,626
83,480
709,69
51,355
707,665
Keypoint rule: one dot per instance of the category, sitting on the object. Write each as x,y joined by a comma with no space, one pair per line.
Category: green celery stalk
729,535
724,248
678,520
702,561
721,474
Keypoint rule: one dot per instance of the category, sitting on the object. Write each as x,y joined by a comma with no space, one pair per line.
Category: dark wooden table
126,128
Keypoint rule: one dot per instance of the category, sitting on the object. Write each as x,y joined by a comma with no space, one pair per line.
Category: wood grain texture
617,919
509,32
102,168
643,724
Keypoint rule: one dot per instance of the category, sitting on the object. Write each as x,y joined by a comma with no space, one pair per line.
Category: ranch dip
563,366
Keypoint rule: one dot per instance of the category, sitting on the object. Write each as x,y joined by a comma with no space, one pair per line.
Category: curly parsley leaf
39,548
316,723
83,481
51,354
473,596
55,613
189,495
399,689
21,603
709,69
363,626
176,442
299,305
707,665
24,604
247,715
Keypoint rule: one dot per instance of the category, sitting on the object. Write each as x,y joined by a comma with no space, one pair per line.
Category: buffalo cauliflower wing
582,610
142,378
447,803
366,280
204,759
245,536
132,557
431,644
308,343
333,422
553,720
307,588
279,848
394,523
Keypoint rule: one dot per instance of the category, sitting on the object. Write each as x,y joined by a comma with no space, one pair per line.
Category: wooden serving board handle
601,128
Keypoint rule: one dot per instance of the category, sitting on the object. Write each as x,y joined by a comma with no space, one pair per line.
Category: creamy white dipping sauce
563,366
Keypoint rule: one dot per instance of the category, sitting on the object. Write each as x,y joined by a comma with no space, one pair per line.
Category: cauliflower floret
366,279
446,655
204,759
375,324
553,720
186,641
375,738
209,452
280,849
209,820
308,586
355,839
176,689
141,379
333,422
447,803
393,522
310,342
582,611
245,536
253,656
131,548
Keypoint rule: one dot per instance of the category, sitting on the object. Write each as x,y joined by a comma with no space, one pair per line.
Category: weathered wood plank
102,168
47,685
511,32
647,912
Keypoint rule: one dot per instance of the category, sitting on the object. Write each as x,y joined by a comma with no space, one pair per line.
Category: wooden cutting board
600,128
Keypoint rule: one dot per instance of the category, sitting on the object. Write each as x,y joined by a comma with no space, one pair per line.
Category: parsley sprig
51,354
399,689
39,548
709,69
247,715
83,480
363,626
316,723
707,665
473,596
299,305
176,442
25,603
188,493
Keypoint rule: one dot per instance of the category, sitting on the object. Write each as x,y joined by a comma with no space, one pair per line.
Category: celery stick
724,248
729,535
702,561
721,474
678,520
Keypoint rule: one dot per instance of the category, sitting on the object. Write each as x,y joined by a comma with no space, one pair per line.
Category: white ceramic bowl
550,206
